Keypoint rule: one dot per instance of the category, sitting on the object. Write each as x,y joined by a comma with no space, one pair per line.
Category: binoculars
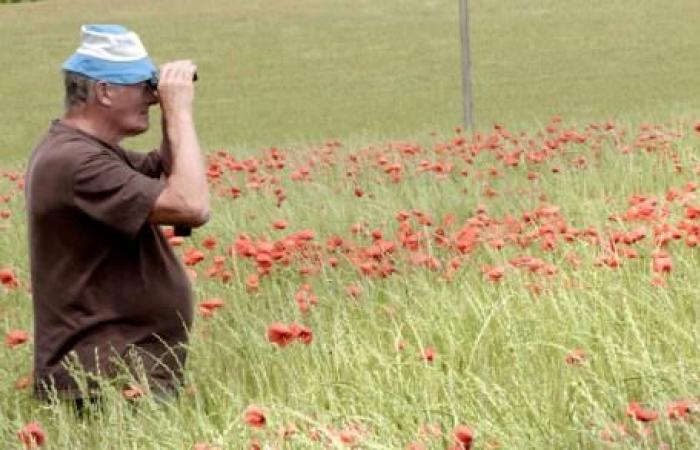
153,82
182,231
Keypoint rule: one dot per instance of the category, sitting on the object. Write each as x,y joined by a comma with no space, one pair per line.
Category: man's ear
103,93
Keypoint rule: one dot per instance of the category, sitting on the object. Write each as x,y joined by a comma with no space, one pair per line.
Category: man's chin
138,130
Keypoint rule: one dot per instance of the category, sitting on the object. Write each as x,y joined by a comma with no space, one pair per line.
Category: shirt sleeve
107,189
148,164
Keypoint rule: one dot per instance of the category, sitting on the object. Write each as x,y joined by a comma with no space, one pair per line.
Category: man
108,291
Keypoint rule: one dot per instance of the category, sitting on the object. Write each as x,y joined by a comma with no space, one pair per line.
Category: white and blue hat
111,53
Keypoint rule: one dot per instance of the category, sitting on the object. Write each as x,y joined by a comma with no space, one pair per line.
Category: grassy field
524,290
531,281
277,71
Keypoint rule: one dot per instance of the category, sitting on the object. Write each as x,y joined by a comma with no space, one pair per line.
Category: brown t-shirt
105,282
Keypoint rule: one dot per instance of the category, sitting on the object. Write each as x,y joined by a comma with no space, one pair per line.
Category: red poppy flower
24,382
348,436
302,304
576,357
252,282
193,256
304,235
279,224
658,282
356,228
661,262
641,414
32,435
679,409
333,261
209,242
254,416
225,276
463,437
304,334
402,216
354,291
280,334
8,278
211,304
493,274
428,354
497,243
13,338
133,392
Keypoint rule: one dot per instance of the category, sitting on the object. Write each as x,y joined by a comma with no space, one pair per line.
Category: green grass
275,72
500,347
292,74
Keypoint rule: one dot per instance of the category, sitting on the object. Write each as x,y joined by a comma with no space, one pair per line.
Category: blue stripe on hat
107,29
117,72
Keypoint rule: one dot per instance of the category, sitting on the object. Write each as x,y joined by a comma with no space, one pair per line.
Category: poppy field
375,277
501,289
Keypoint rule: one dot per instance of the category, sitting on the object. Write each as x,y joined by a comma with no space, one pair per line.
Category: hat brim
117,72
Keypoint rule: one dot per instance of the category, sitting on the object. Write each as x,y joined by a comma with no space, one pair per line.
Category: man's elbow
201,217
174,208
198,214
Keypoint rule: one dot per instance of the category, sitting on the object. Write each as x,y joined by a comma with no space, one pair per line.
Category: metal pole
466,65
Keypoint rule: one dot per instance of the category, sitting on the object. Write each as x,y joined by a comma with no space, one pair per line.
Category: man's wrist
178,116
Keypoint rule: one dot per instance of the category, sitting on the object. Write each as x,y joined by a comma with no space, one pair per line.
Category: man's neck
91,127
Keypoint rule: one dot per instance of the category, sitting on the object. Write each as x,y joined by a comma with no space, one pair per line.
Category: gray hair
78,88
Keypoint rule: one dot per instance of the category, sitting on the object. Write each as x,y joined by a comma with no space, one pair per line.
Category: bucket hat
111,53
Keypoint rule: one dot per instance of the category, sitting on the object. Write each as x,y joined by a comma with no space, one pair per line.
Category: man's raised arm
185,199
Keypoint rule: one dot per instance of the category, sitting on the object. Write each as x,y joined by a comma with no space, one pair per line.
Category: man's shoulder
58,156
61,146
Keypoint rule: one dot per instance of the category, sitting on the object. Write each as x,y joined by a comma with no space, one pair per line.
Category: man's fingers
175,86
178,70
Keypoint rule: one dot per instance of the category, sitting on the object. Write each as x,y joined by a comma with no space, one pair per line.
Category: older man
108,292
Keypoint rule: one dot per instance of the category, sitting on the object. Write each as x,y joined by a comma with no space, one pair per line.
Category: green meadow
281,71
425,315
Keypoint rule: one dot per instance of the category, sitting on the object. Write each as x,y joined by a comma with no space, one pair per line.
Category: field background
282,71
296,73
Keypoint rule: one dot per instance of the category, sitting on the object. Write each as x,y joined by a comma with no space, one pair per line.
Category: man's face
129,109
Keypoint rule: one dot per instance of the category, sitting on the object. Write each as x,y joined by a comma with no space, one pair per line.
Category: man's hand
176,87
